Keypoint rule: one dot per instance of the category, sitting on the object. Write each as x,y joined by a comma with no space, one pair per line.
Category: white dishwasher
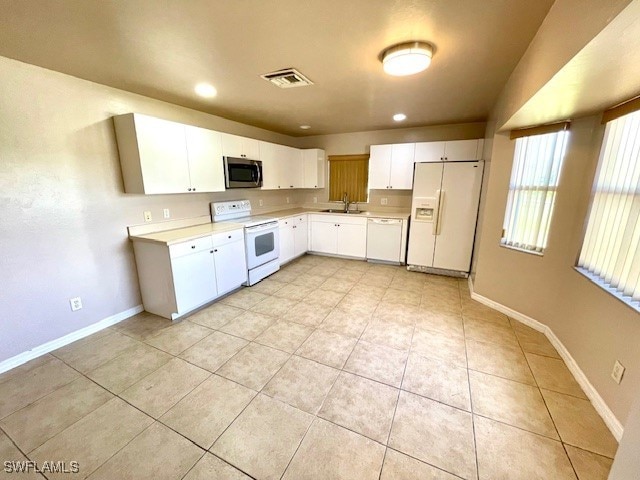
384,239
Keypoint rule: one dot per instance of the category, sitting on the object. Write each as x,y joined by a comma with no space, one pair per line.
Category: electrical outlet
261,202
166,213
147,216
76,303
288,199
618,372
315,199
384,201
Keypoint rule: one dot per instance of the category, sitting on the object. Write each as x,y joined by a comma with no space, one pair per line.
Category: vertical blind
350,174
611,247
534,179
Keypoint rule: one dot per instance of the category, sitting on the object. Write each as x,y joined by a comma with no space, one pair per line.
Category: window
532,191
610,253
348,173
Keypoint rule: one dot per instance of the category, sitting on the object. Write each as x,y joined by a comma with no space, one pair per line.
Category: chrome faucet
345,199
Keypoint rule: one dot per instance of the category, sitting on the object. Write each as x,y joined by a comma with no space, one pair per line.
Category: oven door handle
263,227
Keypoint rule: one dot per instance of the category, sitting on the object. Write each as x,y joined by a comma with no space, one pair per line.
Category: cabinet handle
193,246
229,236
194,189
210,251
290,186
215,249
446,158
189,189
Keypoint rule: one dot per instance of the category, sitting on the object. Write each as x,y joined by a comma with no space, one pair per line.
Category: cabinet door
324,237
429,152
295,168
163,155
461,150
301,236
313,166
204,148
194,280
401,176
251,148
352,240
271,158
231,145
379,166
287,250
230,265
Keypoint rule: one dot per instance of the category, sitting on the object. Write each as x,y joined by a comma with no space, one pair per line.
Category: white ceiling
162,49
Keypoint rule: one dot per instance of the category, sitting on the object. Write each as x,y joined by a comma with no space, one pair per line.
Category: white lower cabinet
294,237
339,235
230,265
194,280
176,279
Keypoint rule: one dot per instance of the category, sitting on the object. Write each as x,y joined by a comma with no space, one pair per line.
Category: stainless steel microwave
242,173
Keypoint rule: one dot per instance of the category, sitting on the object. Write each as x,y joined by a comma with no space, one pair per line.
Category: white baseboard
599,404
40,350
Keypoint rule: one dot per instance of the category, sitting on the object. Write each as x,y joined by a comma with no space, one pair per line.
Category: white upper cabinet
379,166
313,168
454,151
204,151
240,147
401,174
153,154
281,166
461,150
294,173
391,166
429,152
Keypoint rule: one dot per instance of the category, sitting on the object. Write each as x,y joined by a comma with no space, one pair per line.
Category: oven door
242,173
263,244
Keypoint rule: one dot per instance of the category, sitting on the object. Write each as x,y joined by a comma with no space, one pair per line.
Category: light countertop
291,212
169,237
178,235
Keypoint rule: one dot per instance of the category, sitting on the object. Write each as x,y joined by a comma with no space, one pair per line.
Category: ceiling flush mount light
206,90
305,127
407,58
398,117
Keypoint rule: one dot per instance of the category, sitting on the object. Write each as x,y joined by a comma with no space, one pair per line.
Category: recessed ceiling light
398,117
206,90
305,127
406,58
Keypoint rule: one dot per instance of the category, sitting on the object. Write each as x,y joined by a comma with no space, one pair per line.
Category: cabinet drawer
192,246
227,237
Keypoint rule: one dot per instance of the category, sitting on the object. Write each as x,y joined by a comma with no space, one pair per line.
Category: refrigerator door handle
438,223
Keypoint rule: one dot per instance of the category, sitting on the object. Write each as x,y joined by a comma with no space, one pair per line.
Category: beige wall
64,214
595,327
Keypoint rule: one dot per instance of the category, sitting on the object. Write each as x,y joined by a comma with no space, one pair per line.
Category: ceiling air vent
287,78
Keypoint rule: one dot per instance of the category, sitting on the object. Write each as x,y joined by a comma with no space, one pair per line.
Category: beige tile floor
329,369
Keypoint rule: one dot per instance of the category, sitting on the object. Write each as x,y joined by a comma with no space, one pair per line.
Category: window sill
634,304
522,250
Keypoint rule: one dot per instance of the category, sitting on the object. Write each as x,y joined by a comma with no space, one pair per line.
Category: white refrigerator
444,212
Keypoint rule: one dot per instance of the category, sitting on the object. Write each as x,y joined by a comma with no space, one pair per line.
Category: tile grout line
473,422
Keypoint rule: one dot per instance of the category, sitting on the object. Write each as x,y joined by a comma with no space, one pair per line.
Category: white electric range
262,237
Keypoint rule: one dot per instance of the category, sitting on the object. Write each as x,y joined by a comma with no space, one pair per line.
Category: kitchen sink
339,210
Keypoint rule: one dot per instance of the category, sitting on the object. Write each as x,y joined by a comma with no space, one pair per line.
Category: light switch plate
147,216
384,201
166,213
618,372
76,303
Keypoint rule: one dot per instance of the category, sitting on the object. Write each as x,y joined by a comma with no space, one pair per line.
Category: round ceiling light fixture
305,127
206,90
398,117
406,58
